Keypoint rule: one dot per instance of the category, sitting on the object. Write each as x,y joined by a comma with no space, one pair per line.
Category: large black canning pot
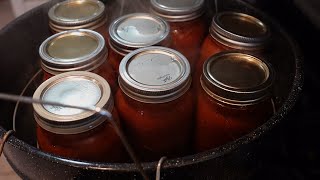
19,43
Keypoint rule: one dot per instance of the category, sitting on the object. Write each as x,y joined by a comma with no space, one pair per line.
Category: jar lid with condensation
77,14
239,31
154,75
138,30
236,78
76,88
174,11
75,50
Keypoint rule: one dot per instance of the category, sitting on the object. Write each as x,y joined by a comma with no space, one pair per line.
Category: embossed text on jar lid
73,50
76,88
237,78
76,12
239,30
178,10
154,74
137,30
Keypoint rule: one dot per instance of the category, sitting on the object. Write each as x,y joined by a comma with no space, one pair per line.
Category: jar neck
77,126
89,65
154,97
232,102
91,25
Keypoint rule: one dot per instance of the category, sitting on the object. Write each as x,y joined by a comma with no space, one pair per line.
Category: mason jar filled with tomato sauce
187,22
234,98
233,31
75,133
79,14
155,102
76,50
134,31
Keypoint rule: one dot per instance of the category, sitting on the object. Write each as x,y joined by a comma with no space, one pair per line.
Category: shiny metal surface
240,31
137,30
73,88
237,78
178,10
76,12
73,50
154,74
71,46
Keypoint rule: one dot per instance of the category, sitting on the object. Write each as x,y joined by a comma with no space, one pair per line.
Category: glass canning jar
155,102
76,50
75,133
188,26
234,98
233,31
134,31
79,14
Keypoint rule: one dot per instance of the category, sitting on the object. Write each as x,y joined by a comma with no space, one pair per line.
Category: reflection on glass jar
78,14
234,98
76,50
75,133
135,31
188,26
232,30
155,102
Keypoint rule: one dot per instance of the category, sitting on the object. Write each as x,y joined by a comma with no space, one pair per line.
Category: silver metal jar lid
236,78
138,30
78,88
77,14
239,31
175,11
75,50
154,75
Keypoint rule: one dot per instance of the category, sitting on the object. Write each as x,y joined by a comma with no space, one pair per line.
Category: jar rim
80,121
253,86
83,19
239,30
125,44
154,75
85,62
176,12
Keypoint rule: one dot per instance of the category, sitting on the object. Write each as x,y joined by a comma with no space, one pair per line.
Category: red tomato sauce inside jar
76,50
233,31
155,102
75,133
188,27
234,98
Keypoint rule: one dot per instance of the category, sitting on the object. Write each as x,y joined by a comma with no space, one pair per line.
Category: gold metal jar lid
154,75
76,88
77,14
138,30
75,50
175,11
236,78
239,31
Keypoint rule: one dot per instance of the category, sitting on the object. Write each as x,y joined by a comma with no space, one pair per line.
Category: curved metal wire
101,111
160,163
21,94
4,140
